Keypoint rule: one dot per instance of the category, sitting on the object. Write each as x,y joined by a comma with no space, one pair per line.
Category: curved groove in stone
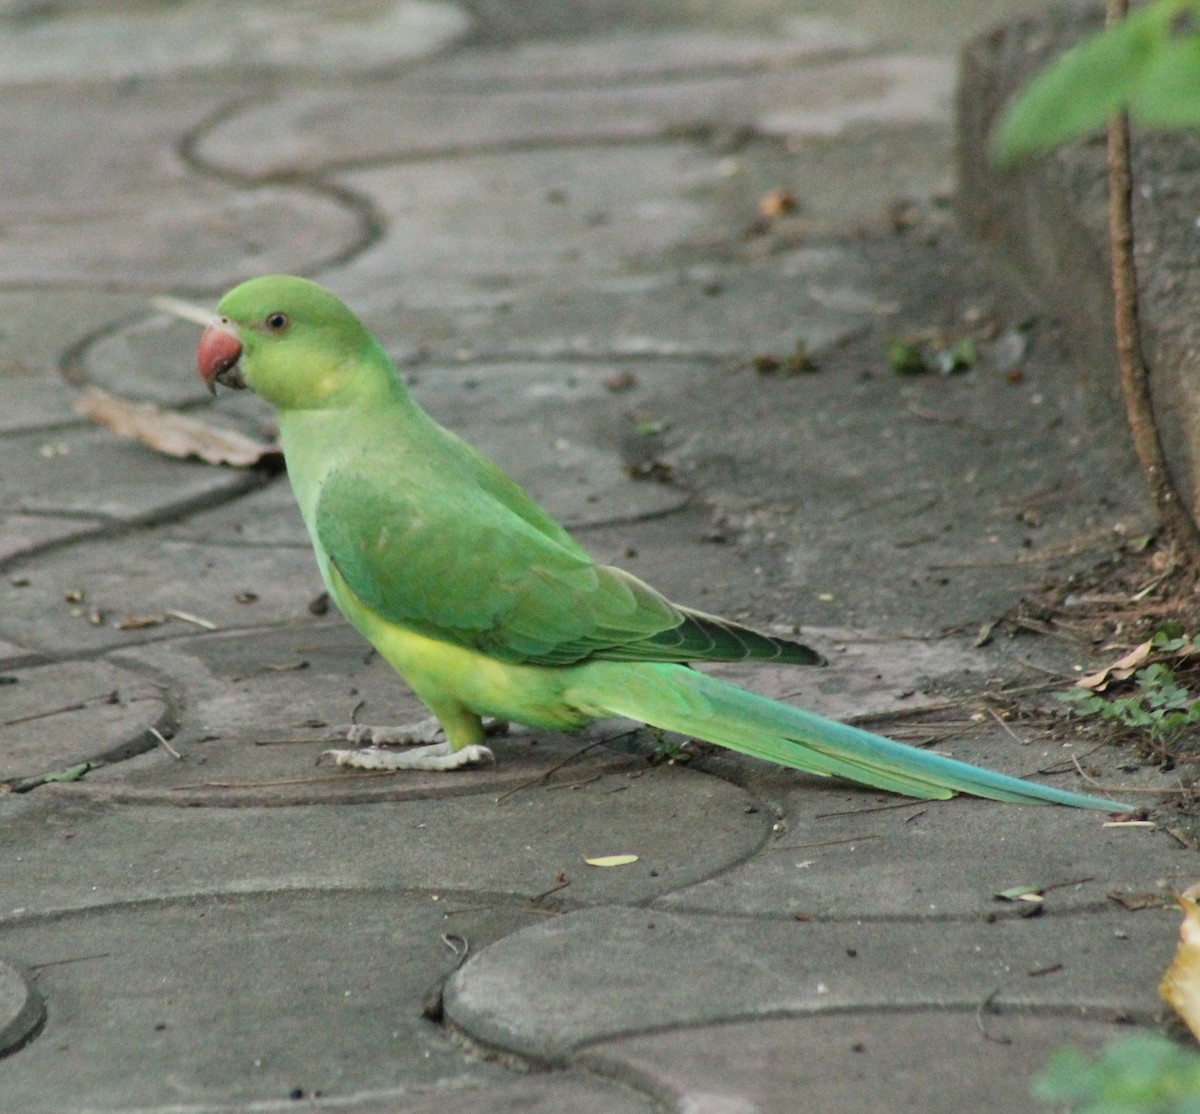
645,970
22,1011
61,716
876,1060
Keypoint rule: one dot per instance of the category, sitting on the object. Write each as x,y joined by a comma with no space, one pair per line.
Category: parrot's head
290,341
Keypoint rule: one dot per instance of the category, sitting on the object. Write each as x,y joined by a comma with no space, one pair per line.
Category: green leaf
1168,95
1168,645
71,773
1154,677
959,357
1141,1074
1065,1078
1089,704
1087,85
1031,894
905,358
1132,714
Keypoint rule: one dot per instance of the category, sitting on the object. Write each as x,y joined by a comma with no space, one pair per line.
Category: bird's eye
277,322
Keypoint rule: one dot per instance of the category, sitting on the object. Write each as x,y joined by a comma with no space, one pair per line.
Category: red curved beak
218,355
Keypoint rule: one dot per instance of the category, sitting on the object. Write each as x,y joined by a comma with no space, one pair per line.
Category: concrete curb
1049,217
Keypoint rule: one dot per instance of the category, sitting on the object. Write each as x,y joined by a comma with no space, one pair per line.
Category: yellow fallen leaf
610,860
1180,986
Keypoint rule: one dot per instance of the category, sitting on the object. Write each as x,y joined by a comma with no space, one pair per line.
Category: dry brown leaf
1135,901
171,433
776,203
1180,986
137,622
1120,670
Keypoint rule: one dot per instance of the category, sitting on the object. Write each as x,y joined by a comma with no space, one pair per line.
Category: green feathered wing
483,567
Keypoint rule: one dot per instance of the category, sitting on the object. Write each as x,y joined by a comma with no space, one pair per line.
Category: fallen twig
195,620
162,741
874,808
564,762
983,1009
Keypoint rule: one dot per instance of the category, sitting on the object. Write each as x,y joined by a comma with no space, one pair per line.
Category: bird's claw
409,734
436,757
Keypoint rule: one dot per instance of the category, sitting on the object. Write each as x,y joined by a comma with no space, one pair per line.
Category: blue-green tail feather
675,698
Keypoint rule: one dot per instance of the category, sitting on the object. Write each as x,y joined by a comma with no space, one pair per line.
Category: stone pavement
550,214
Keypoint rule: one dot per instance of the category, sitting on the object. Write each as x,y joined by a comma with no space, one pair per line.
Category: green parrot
482,602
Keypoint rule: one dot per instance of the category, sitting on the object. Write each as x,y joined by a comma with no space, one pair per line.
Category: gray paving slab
125,211
109,143
930,24
312,130
24,534
82,40
21,1009
842,857
852,1061
868,674
642,970
547,1093
267,516
197,235
50,469
164,1005
38,400
129,587
682,825
42,332
54,717
703,311
13,656
657,54
542,215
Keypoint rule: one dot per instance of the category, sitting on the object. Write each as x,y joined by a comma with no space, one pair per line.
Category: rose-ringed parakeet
481,601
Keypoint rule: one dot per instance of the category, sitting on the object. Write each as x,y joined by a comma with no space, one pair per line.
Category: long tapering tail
676,698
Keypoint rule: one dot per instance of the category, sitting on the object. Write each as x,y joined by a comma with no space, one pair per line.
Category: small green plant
1142,1074
669,750
1160,704
912,357
1170,639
